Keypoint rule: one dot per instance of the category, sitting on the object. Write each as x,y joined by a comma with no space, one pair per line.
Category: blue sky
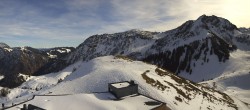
53,23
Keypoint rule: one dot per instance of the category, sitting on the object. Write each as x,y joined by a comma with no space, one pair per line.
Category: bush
4,92
178,99
74,69
59,80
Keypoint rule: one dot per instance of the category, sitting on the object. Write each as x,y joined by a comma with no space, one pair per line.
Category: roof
121,84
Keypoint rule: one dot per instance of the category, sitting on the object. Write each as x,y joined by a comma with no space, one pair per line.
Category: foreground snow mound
94,76
96,101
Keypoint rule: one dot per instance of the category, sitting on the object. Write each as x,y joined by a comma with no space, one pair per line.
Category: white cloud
81,18
161,15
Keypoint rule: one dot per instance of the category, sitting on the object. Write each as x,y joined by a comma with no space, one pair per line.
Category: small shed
121,89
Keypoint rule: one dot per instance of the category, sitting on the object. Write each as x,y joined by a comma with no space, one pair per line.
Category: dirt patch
178,99
152,82
161,72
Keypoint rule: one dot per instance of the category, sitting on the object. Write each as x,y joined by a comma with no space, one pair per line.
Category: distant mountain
26,60
245,30
133,43
58,58
3,45
209,40
244,38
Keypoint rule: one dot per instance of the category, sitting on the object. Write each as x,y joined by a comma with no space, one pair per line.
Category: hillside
94,76
235,78
26,60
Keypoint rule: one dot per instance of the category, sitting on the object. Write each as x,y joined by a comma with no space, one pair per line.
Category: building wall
112,90
127,91
121,92
32,107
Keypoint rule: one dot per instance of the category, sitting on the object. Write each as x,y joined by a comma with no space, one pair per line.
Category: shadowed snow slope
235,79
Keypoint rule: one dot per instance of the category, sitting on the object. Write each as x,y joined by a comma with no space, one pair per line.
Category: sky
55,23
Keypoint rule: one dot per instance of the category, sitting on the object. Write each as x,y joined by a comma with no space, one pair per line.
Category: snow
9,49
121,85
95,75
51,56
61,51
240,94
23,49
1,77
68,50
235,78
97,101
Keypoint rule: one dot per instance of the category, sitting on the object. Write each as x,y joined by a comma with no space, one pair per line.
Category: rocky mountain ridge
26,60
177,50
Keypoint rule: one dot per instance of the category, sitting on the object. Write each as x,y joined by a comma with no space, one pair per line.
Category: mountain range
210,51
207,40
26,60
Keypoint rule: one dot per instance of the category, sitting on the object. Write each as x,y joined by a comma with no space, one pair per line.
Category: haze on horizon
53,23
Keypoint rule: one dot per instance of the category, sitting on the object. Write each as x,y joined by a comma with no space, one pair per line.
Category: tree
4,92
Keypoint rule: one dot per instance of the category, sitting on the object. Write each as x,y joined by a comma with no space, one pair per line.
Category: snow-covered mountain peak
217,21
194,42
205,27
125,43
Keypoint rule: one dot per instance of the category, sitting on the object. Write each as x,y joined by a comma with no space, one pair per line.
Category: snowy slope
235,79
94,76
